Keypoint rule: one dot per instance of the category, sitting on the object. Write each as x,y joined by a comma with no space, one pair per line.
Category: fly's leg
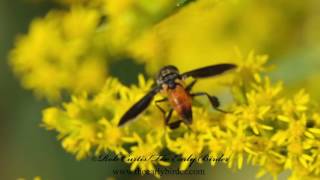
173,125
159,107
166,117
213,100
190,86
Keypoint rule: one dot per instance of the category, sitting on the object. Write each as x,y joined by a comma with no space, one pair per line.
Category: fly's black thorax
168,76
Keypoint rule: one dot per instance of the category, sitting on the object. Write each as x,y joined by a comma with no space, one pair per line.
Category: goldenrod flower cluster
265,126
57,54
69,51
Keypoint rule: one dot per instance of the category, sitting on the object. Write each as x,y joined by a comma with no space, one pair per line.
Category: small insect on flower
171,83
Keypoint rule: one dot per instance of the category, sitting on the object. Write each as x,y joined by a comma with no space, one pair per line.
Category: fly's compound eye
159,81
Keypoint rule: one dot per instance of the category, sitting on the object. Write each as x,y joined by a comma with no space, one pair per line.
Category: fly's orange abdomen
181,102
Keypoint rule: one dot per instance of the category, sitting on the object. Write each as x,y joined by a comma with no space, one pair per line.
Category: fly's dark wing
139,106
209,71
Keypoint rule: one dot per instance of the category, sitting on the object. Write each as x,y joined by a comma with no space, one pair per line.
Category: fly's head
167,76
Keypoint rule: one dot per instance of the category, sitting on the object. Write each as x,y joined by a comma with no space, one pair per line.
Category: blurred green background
28,150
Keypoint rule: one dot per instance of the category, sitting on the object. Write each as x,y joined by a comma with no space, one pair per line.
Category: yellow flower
203,120
56,54
190,145
216,142
110,138
272,167
261,102
296,106
236,147
315,156
146,154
